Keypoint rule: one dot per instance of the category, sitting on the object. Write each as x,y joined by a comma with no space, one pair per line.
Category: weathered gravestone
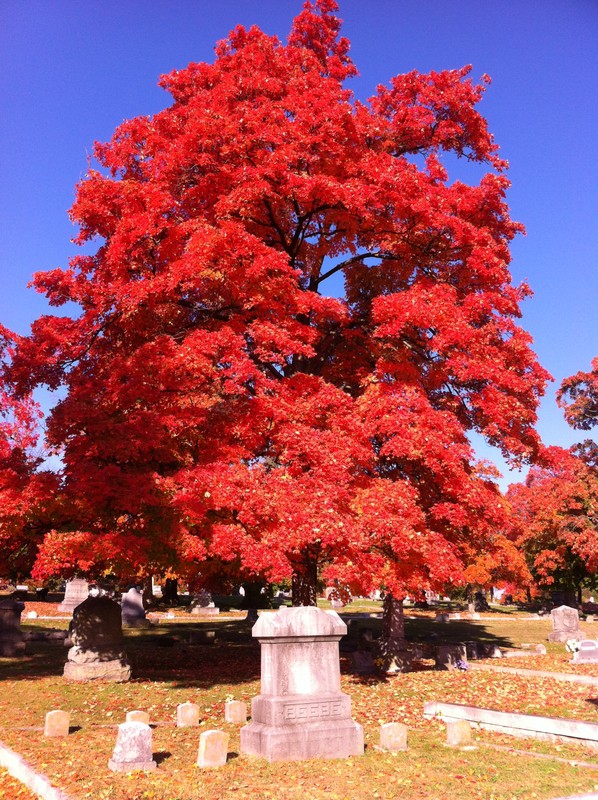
235,711
97,651
132,609
565,623
587,652
187,715
133,749
458,733
77,590
57,724
213,749
12,642
203,605
393,737
301,712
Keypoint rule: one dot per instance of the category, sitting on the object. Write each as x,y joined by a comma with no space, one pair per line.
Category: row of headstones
133,609
133,749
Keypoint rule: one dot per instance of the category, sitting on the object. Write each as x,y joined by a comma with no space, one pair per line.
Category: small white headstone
235,711
393,737
458,733
187,715
133,749
213,749
57,723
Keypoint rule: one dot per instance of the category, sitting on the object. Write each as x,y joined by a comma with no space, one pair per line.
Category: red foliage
219,402
556,517
25,493
578,395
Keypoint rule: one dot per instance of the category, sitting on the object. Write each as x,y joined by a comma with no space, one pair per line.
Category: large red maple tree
292,321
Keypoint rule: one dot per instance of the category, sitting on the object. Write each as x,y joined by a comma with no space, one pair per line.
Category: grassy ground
168,671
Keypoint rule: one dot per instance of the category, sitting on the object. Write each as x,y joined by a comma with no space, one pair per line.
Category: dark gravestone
97,651
11,636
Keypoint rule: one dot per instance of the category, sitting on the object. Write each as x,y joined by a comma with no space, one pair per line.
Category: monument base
115,671
322,739
562,636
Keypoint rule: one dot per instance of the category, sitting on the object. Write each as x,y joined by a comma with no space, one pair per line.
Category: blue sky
72,70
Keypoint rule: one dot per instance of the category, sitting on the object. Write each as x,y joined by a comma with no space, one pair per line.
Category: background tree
27,493
221,399
556,516
578,395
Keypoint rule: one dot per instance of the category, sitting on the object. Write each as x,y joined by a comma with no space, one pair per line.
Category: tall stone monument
77,590
301,712
565,623
97,651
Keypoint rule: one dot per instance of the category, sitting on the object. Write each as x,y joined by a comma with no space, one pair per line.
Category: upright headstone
393,737
133,749
213,749
301,712
235,711
458,733
132,610
57,724
565,624
12,642
203,605
77,590
187,715
97,651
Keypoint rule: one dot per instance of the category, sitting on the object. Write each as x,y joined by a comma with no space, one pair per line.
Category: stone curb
579,797
22,771
586,680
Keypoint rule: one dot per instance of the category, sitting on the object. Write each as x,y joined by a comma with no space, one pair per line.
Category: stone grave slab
187,715
235,711
132,609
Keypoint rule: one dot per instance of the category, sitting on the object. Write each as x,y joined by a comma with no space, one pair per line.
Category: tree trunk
393,624
305,583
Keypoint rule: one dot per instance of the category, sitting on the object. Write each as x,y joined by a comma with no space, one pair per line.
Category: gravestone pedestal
12,642
301,712
97,651
77,590
565,623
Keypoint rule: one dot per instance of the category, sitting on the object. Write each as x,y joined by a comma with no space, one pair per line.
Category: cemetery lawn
168,671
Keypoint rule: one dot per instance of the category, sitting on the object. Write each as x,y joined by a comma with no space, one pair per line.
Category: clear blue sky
72,70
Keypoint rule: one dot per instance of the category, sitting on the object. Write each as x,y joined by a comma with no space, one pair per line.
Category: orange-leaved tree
291,323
